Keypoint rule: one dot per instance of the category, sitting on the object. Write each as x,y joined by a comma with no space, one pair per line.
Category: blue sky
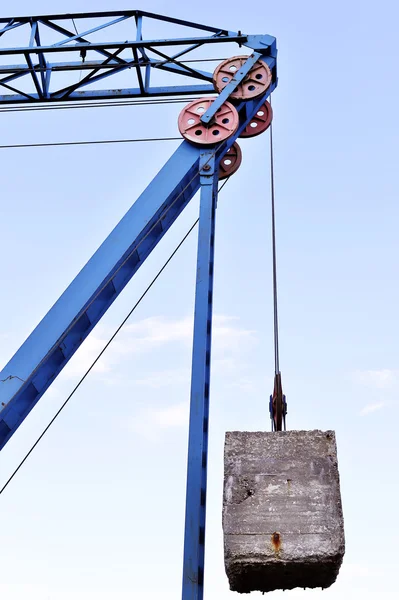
97,512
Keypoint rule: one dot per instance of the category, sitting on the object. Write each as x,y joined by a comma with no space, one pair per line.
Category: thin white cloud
150,423
231,367
244,384
379,378
85,356
153,333
53,392
6,349
227,334
167,377
157,331
172,416
371,408
224,364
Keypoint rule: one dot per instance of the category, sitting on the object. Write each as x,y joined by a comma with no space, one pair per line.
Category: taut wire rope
274,253
120,326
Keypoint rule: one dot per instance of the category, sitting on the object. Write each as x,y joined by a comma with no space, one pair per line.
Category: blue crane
231,104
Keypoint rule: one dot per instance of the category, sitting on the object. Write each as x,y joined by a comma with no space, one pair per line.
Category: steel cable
98,104
275,303
103,350
89,142
162,216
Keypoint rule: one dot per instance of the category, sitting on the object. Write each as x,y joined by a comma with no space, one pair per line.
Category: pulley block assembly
259,123
278,405
226,120
224,124
231,161
254,84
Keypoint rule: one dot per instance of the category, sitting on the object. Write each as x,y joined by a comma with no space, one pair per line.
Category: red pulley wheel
278,404
230,162
254,84
224,124
260,122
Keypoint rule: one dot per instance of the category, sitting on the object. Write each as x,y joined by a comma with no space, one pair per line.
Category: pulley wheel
260,122
224,124
278,404
230,162
254,84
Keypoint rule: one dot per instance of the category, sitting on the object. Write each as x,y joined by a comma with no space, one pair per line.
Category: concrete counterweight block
282,514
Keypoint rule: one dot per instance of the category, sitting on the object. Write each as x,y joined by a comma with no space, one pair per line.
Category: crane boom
193,166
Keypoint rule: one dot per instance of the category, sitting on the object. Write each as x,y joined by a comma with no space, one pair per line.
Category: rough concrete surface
282,514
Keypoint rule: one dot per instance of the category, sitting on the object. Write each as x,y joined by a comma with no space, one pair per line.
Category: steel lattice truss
65,54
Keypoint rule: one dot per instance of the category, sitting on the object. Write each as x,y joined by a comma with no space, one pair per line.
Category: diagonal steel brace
230,87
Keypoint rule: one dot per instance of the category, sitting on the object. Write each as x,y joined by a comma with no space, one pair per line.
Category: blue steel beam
230,87
70,34
148,44
173,66
46,351
149,91
109,64
90,31
17,70
42,62
180,90
92,77
38,55
54,341
12,22
194,536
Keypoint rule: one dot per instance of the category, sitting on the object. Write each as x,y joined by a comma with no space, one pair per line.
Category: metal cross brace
230,87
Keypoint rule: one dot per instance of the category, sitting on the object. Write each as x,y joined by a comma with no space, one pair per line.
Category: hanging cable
95,361
103,350
73,21
90,142
275,311
278,404
91,104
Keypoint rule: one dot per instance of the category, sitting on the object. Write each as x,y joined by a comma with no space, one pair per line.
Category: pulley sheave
254,84
224,124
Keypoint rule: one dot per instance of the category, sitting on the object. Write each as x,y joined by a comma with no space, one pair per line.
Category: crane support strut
194,537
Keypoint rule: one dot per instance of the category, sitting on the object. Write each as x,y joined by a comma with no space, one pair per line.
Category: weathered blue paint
194,538
182,90
230,87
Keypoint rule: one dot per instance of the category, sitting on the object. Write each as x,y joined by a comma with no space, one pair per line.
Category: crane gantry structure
54,46
47,69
